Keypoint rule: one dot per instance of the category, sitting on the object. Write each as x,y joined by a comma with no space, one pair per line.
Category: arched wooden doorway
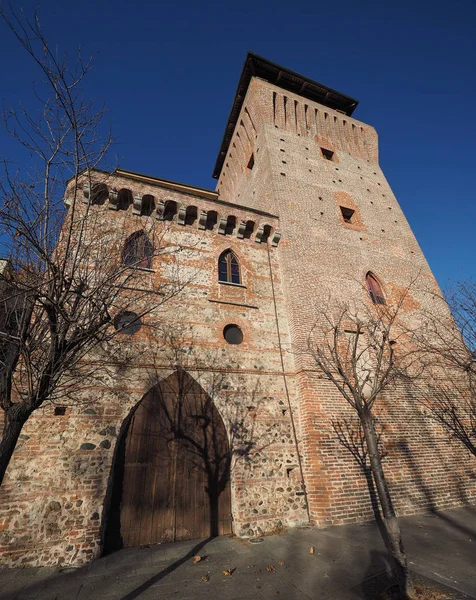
176,465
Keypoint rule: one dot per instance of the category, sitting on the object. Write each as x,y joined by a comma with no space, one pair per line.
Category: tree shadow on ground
378,576
170,569
72,581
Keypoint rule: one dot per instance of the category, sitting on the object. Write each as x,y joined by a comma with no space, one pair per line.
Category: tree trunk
14,419
394,537
213,495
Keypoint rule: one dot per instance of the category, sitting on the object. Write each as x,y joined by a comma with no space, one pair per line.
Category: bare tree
64,284
364,351
448,342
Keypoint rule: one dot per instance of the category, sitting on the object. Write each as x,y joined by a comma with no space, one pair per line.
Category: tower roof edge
258,66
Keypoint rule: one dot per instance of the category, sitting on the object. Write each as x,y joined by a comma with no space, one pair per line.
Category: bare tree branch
364,350
64,282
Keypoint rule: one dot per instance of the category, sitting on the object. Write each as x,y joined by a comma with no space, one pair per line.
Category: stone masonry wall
54,501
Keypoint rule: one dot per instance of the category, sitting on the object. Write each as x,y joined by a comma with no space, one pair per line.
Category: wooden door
176,483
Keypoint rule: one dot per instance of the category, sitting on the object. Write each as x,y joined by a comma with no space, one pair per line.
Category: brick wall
275,179
322,257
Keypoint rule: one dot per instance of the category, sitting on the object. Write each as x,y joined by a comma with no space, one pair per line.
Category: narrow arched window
138,251
375,289
228,268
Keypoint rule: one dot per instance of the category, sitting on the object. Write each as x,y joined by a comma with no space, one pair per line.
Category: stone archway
172,469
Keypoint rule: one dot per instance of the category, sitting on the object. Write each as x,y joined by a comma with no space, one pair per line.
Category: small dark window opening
170,210
374,289
124,199
327,154
148,205
233,334
347,214
251,162
228,268
60,411
138,251
100,194
127,322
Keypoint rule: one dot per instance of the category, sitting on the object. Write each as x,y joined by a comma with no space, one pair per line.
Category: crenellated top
257,66
267,108
225,220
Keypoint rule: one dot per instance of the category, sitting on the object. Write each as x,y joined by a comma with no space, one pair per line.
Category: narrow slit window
229,268
347,214
251,162
327,154
375,289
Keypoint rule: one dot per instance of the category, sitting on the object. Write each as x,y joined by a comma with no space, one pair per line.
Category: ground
348,563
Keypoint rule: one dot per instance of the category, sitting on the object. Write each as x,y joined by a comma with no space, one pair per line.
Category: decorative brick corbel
259,234
222,226
202,220
86,193
160,210
240,233
113,199
182,213
137,206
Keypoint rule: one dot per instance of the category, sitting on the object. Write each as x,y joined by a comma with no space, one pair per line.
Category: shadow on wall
428,492
430,474
350,434
171,471
344,558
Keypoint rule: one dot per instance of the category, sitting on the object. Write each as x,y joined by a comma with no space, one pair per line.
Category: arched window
375,289
228,268
138,251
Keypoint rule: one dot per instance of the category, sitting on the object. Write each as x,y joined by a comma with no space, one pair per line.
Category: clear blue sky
168,73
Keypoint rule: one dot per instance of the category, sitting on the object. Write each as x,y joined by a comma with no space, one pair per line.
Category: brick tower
292,147
302,212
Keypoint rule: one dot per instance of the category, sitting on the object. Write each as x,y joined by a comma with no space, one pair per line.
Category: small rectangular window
347,214
327,154
251,162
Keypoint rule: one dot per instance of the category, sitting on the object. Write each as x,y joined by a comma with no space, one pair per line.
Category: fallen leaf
250,566
197,559
312,550
205,578
271,568
280,563
228,572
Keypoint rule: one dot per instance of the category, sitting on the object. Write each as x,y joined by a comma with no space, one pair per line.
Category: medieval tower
302,211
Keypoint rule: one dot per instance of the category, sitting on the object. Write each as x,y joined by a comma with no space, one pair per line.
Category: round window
127,322
233,334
